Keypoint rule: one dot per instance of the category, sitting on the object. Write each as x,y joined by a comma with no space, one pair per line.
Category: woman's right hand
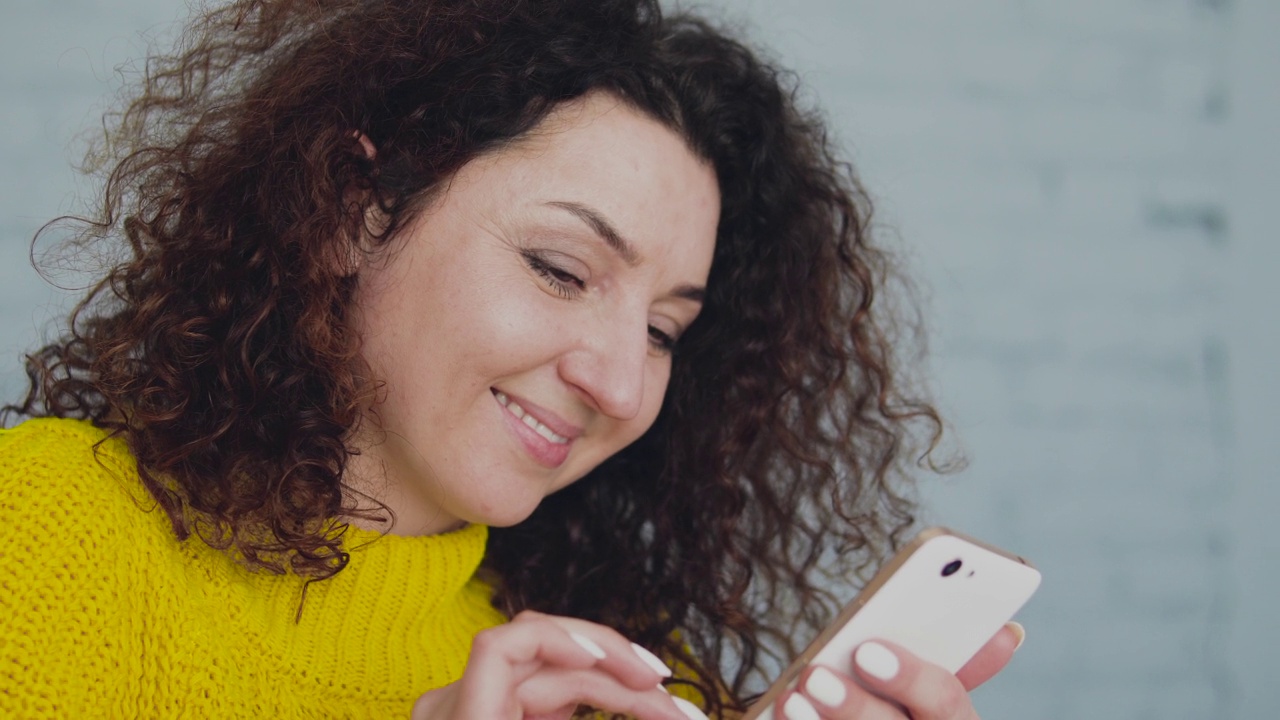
541,667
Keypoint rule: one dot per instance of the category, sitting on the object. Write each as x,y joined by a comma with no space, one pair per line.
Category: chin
504,517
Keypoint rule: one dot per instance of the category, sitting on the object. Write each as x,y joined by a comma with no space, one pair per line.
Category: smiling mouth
523,416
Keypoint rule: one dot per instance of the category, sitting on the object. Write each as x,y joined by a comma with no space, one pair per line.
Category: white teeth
529,420
545,432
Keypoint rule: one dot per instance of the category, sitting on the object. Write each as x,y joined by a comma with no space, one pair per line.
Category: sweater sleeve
69,641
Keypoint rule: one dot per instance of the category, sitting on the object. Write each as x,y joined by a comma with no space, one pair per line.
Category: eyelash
661,341
566,285
569,286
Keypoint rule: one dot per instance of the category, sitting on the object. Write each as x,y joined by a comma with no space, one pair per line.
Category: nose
608,367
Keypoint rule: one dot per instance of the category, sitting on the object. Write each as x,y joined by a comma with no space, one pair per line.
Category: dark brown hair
219,347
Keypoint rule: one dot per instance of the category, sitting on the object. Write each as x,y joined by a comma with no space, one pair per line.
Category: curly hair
219,346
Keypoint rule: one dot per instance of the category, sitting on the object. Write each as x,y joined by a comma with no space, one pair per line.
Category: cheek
487,324
510,332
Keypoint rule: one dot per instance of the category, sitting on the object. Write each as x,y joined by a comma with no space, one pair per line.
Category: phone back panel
943,617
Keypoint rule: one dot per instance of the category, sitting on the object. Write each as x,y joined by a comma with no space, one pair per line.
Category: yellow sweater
103,613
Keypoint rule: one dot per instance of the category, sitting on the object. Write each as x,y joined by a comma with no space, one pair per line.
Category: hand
893,684
541,667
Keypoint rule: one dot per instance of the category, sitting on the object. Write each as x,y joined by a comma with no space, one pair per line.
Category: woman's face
522,325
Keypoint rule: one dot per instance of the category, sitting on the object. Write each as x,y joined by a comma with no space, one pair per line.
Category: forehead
602,152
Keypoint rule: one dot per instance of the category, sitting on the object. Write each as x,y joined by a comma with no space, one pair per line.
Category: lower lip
543,451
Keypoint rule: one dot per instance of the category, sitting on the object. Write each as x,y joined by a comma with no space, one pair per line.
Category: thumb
436,704
564,713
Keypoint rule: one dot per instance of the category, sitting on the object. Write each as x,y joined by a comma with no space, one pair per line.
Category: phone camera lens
951,568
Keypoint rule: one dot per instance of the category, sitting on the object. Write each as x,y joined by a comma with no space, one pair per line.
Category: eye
662,342
566,284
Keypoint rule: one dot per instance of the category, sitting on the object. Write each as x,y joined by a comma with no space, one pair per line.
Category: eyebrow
607,232
602,227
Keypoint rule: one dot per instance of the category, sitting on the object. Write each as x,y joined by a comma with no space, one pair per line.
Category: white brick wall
1086,190
58,64
1253,338
1065,177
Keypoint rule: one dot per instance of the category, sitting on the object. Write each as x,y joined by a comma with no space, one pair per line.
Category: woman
433,315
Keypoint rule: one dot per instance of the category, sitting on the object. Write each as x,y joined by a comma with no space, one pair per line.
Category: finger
436,703
993,656
826,693
927,691
525,646
504,656
554,689
635,666
564,713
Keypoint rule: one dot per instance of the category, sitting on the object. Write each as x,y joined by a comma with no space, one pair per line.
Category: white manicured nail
652,661
1019,631
798,708
876,660
588,644
689,709
825,688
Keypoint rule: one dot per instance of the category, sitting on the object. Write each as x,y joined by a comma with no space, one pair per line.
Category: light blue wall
59,64
1086,191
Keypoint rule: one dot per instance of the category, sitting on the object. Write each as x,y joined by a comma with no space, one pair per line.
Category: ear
352,253
366,144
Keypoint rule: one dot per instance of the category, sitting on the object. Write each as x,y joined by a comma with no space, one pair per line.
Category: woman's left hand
893,684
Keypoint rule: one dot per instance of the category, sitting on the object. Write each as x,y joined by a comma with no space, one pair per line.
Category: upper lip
557,424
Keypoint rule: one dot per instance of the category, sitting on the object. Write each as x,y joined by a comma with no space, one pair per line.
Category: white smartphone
942,596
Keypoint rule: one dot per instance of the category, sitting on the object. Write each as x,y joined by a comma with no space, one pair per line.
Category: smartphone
942,596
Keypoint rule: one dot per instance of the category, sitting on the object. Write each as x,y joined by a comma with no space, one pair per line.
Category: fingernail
798,708
876,660
652,661
825,688
1019,631
690,709
588,644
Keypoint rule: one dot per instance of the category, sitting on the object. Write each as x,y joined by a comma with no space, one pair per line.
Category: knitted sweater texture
104,613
